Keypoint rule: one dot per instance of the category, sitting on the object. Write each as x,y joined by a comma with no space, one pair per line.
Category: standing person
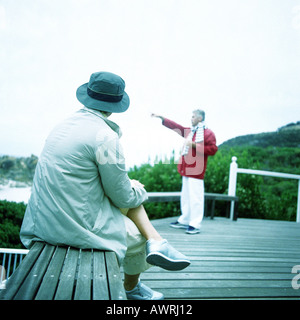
80,186
199,143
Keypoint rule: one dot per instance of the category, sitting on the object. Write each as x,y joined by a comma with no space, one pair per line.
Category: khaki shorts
135,258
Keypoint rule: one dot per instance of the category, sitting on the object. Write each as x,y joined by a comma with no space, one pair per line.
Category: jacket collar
110,123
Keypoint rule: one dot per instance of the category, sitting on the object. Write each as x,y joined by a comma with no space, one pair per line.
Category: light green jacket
79,185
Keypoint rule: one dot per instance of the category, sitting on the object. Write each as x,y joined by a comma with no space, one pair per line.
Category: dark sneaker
192,230
178,225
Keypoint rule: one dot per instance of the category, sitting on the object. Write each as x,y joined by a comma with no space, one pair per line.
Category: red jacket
194,164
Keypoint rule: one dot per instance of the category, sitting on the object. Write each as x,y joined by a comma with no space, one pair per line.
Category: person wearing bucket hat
82,195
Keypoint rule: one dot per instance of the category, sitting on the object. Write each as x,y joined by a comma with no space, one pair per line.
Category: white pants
192,202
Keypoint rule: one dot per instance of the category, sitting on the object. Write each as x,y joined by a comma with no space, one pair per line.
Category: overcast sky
239,60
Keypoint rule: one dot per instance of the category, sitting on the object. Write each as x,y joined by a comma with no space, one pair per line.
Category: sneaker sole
178,226
192,232
160,260
136,297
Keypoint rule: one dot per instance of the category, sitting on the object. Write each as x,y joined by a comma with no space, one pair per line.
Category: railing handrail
269,173
14,251
234,170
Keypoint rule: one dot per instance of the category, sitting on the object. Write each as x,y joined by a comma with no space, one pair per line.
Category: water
20,194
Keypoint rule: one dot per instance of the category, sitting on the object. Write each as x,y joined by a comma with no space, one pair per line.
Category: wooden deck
244,259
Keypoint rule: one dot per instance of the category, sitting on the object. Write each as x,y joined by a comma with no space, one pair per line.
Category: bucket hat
104,92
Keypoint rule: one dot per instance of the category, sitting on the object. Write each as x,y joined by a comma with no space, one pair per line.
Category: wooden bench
175,196
65,273
222,197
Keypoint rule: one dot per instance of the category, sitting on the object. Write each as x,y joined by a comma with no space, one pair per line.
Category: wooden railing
234,170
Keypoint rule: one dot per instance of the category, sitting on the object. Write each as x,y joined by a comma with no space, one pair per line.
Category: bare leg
140,218
159,251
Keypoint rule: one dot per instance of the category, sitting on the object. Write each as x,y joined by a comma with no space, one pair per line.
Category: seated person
80,184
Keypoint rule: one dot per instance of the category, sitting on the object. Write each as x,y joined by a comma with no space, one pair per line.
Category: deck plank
244,259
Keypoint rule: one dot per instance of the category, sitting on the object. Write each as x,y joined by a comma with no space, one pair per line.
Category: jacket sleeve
114,178
182,131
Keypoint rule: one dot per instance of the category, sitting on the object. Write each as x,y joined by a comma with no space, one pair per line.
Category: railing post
298,204
232,183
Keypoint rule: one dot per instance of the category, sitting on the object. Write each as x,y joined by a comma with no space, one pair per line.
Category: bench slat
163,196
100,288
83,285
50,280
175,196
116,288
67,278
220,196
17,278
61,273
30,286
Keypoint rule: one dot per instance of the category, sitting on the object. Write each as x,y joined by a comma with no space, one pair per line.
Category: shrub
11,216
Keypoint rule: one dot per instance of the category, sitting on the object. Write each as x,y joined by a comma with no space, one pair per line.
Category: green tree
163,176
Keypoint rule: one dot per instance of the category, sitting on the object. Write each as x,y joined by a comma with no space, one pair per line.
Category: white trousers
192,202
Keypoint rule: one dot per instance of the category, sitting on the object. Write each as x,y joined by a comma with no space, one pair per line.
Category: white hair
200,113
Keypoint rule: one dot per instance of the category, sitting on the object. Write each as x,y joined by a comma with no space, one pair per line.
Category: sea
11,192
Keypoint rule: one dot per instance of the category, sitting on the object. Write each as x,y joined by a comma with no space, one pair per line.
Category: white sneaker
142,292
162,254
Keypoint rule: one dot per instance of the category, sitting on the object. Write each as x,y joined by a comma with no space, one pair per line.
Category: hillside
20,169
286,136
